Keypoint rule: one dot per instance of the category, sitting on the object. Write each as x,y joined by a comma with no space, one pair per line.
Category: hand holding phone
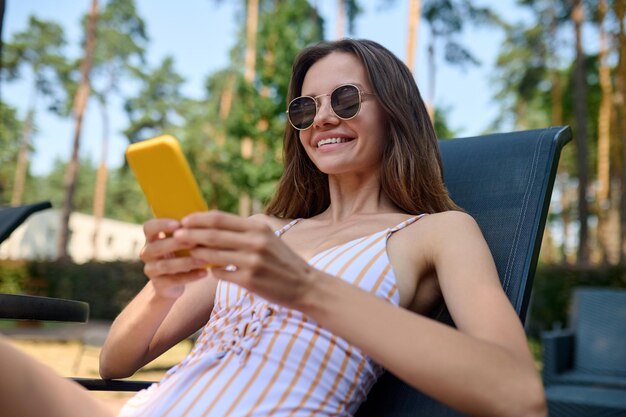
165,178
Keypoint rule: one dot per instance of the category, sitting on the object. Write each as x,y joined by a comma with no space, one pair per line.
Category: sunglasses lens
345,101
302,112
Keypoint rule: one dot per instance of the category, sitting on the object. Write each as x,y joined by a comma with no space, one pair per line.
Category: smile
332,140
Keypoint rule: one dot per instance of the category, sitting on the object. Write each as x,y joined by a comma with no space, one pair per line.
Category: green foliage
40,51
258,111
121,35
529,68
593,106
40,48
521,69
447,19
52,186
10,128
121,41
442,126
13,277
107,287
156,108
125,200
552,292
213,132
292,25
352,11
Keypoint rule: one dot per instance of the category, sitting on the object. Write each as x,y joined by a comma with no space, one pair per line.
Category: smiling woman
340,279
361,131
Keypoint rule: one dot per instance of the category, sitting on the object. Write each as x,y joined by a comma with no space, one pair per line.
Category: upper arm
470,285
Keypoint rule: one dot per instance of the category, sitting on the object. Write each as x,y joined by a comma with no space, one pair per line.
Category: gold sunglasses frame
318,104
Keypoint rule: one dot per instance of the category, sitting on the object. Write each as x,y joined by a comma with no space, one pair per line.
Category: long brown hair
411,175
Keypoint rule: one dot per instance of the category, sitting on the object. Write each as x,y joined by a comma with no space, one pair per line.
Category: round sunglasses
345,102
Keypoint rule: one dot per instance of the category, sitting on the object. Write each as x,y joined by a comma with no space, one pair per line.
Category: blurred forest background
544,75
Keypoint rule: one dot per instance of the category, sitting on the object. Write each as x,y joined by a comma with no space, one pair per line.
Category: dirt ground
71,358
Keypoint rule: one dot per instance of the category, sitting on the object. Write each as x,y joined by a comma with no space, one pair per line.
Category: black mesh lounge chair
505,182
23,307
12,217
585,366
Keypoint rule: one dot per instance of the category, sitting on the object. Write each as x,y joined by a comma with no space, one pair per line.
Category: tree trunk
252,20
565,201
341,19
226,102
604,123
21,167
556,117
619,6
580,112
99,199
432,74
556,92
413,31
80,105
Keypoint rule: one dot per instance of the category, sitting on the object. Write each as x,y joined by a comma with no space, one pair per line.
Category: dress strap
406,223
286,227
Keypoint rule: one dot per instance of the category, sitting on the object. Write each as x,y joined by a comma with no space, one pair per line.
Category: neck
355,195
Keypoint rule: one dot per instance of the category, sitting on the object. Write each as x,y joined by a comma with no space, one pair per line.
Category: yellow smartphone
165,177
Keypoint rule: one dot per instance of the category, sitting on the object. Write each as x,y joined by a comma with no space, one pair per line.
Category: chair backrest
599,324
12,217
505,182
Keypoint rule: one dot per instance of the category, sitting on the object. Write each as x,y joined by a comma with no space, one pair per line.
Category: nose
325,114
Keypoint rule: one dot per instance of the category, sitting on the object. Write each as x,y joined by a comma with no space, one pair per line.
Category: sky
173,26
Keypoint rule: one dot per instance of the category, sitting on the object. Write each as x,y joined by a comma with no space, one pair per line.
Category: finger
161,248
250,240
212,238
174,266
220,220
222,257
153,227
229,274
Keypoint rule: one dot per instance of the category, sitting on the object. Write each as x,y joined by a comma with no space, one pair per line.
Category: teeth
331,140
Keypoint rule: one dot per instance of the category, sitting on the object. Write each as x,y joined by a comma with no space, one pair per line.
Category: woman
301,314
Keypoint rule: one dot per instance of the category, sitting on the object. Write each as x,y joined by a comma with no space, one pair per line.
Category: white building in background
37,238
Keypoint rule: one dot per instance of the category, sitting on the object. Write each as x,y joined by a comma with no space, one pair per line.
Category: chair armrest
95,384
558,353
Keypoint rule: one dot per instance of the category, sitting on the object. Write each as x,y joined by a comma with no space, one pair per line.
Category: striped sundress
255,358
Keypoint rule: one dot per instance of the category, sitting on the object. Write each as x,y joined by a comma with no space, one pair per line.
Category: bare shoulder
439,238
450,219
272,222
445,226
450,222
458,250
